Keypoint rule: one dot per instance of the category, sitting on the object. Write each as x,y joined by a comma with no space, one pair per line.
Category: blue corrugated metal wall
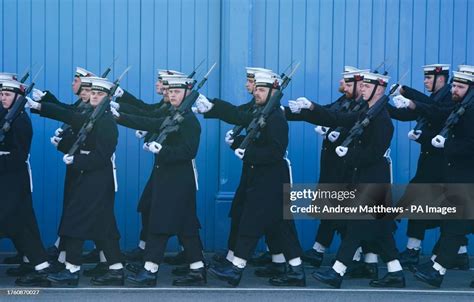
324,35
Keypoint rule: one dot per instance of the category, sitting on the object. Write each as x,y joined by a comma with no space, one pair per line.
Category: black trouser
144,230
110,247
284,234
383,244
156,246
416,228
453,235
327,230
29,243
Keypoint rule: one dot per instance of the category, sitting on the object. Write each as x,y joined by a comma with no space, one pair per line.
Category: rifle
17,108
454,118
422,121
95,115
79,104
260,121
358,129
173,121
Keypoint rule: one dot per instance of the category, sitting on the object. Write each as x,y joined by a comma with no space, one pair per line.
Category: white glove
333,136
401,102
397,91
32,104
282,109
304,103
118,92
55,140
194,109
414,135
240,153
37,94
341,151
203,105
146,147
68,159
154,147
294,106
228,137
58,132
115,112
115,105
438,141
140,133
321,130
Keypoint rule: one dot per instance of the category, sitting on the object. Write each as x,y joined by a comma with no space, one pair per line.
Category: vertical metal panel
324,35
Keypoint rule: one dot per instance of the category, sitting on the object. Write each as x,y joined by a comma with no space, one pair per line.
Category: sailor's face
76,84
159,87
166,94
366,90
341,86
349,89
458,91
261,94
176,96
250,85
7,99
428,81
97,97
85,94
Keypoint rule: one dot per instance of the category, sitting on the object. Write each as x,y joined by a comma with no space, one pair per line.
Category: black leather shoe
113,277
53,252
134,267
17,259
271,270
134,255
429,275
20,270
195,277
180,270
313,257
35,279
99,270
395,279
460,262
409,257
56,267
64,278
329,277
261,259
364,271
178,259
295,276
422,266
91,257
219,258
231,274
143,278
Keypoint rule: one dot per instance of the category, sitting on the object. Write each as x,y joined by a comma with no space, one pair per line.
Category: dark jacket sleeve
138,122
21,133
415,95
235,115
106,136
322,116
401,114
462,145
65,115
129,99
272,144
186,147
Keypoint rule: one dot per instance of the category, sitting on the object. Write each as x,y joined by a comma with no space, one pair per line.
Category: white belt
30,173
290,170
389,160
4,153
114,167
195,174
